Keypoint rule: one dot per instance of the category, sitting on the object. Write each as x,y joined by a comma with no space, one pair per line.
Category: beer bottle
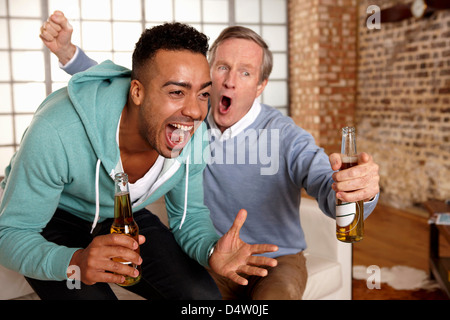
349,215
124,222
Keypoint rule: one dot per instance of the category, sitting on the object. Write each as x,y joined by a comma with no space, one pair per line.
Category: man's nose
230,80
193,109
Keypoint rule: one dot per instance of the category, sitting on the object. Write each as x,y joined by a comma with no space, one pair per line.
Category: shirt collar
236,128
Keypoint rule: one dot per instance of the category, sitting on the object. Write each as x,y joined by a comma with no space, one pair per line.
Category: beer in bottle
124,222
349,215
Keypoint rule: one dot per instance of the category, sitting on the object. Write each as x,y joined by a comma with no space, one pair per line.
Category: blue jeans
167,272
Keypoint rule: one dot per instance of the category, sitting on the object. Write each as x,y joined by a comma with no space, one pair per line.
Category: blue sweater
263,170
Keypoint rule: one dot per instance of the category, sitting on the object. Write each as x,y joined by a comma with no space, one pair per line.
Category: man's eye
177,93
205,95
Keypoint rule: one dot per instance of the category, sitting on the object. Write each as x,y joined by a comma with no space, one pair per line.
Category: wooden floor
395,237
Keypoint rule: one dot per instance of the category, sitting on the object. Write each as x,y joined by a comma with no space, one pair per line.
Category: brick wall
323,67
403,105
392,83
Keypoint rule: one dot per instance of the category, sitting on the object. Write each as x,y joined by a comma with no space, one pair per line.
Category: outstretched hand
232,256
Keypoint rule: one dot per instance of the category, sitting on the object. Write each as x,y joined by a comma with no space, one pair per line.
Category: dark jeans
167,272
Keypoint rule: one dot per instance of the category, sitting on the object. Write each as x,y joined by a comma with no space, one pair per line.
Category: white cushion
324,277
12,284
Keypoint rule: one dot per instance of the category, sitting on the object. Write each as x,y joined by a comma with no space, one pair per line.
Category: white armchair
329,261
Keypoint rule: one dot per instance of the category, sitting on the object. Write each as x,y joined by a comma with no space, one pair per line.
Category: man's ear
261,86
137,92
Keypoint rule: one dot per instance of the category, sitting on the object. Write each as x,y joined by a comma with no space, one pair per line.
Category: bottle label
345,213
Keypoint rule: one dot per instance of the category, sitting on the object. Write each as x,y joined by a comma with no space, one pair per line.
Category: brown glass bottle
349,215
124,222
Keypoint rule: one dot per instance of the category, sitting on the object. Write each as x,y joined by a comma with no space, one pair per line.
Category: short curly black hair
169,36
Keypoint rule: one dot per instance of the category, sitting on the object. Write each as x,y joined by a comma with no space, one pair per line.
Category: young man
57,205
240,127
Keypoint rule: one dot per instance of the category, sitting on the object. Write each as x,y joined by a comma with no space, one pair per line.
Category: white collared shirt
236,128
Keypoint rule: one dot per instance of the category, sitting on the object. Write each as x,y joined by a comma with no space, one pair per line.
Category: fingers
49,31
335,161
360,182
238,222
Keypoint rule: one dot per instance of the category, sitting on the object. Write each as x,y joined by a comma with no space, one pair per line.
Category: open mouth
178,135
225,104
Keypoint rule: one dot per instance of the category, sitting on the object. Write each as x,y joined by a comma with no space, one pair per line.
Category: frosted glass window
22,123
274,11
28,96
157,10
247,11
187,10
213,31
123,58
6,154
96,10
70,8
26,34
28,66
3,34
127,9
24,8
279,70
3,8
5,101
275,94
4,66
7,130
276,37
96,36
125,35
215,10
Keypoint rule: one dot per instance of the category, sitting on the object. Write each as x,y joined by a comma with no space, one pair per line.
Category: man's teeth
182,127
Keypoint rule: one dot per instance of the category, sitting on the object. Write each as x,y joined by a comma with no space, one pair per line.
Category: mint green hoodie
68,158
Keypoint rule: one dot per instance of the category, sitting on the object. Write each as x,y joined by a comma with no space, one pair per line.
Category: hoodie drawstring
97,195
185,192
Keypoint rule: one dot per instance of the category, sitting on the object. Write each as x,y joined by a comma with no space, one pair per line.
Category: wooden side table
439,266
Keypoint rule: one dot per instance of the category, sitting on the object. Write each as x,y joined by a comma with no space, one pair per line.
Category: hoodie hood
90,93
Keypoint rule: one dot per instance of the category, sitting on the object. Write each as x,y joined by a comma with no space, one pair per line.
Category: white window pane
275,94
57,73
3,34
28,96
99,56
279,70
157,10
126,34
4,67
70,8
215,10
96,35
213,31
58,85
28,66
127,9
275,37
24,8
98,9
247,11
5,101
3,8
25,34
187,10
123,59
6,154
274,11
22,122
6,123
